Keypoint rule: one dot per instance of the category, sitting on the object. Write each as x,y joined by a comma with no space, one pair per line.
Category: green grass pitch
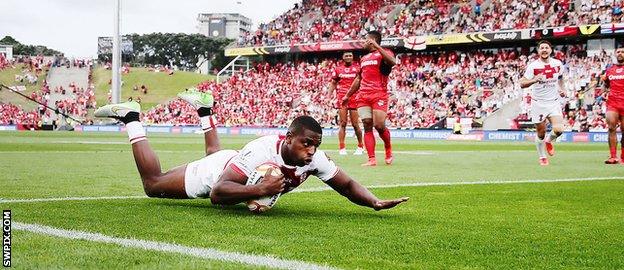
551,225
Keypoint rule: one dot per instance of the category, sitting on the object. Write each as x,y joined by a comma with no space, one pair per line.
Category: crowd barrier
417,134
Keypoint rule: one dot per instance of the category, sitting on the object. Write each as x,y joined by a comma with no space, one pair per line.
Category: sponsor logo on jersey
380,103
369,63
347,75
616,77
619,70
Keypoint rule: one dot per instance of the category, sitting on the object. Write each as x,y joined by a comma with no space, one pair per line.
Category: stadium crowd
332,20
425,88
72,99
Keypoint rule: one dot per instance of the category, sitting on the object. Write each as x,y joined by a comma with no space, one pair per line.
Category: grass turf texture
539,225
161,87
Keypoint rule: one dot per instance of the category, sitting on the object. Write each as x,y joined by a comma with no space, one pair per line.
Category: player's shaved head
303,123
375,35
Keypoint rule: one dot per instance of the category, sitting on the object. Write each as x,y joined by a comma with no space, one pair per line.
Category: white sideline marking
318,189
89,142
70,199
206,253
417,153
481,182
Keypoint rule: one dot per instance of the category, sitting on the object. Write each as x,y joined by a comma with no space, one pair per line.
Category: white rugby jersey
548,90
267,149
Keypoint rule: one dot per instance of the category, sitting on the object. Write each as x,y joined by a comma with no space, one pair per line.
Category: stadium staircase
501,119
394,10
63,76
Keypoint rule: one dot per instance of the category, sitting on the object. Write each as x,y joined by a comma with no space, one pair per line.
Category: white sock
552,137
136,132
541,147
208,123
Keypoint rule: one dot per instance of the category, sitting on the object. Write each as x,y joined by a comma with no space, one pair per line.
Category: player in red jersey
342,79
373,95
614,82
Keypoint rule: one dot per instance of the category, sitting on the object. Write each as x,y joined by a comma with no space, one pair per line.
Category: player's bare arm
562,91
524,82
354,88
232,189
332,86
607,88
388,59
358,194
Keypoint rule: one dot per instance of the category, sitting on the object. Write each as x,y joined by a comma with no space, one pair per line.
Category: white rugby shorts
540,110
201,175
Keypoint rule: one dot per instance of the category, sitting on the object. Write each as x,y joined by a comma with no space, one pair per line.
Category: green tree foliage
181,50
22,49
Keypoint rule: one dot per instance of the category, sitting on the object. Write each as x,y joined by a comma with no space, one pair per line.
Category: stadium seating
317,20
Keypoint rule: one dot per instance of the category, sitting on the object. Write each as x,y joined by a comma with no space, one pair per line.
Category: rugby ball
263,204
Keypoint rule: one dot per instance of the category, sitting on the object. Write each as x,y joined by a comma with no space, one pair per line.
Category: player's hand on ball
387,204
272,184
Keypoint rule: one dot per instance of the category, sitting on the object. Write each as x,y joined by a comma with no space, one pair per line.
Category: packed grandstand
426,86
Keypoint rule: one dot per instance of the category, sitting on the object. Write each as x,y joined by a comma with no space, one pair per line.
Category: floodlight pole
116,68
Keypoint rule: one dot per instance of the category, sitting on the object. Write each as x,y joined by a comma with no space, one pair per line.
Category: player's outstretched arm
358,194
232,189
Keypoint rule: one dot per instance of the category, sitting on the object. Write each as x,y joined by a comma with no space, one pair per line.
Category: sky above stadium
73,26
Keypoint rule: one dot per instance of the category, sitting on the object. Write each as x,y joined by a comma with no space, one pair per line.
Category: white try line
319,189
206,253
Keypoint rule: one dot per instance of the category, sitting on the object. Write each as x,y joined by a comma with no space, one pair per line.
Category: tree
21,49
181,50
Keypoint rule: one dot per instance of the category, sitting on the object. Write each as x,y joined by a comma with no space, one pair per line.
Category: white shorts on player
201,175
542,110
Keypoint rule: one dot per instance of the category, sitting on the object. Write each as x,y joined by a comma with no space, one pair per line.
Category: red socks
341,145
369,141
385,136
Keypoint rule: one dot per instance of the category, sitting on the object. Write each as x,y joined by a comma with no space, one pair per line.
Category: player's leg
203,103
379,122
613,120
554,114
366,112
155,182
556,121
539,112
355,122
380,108
540,133
342,126
621,114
